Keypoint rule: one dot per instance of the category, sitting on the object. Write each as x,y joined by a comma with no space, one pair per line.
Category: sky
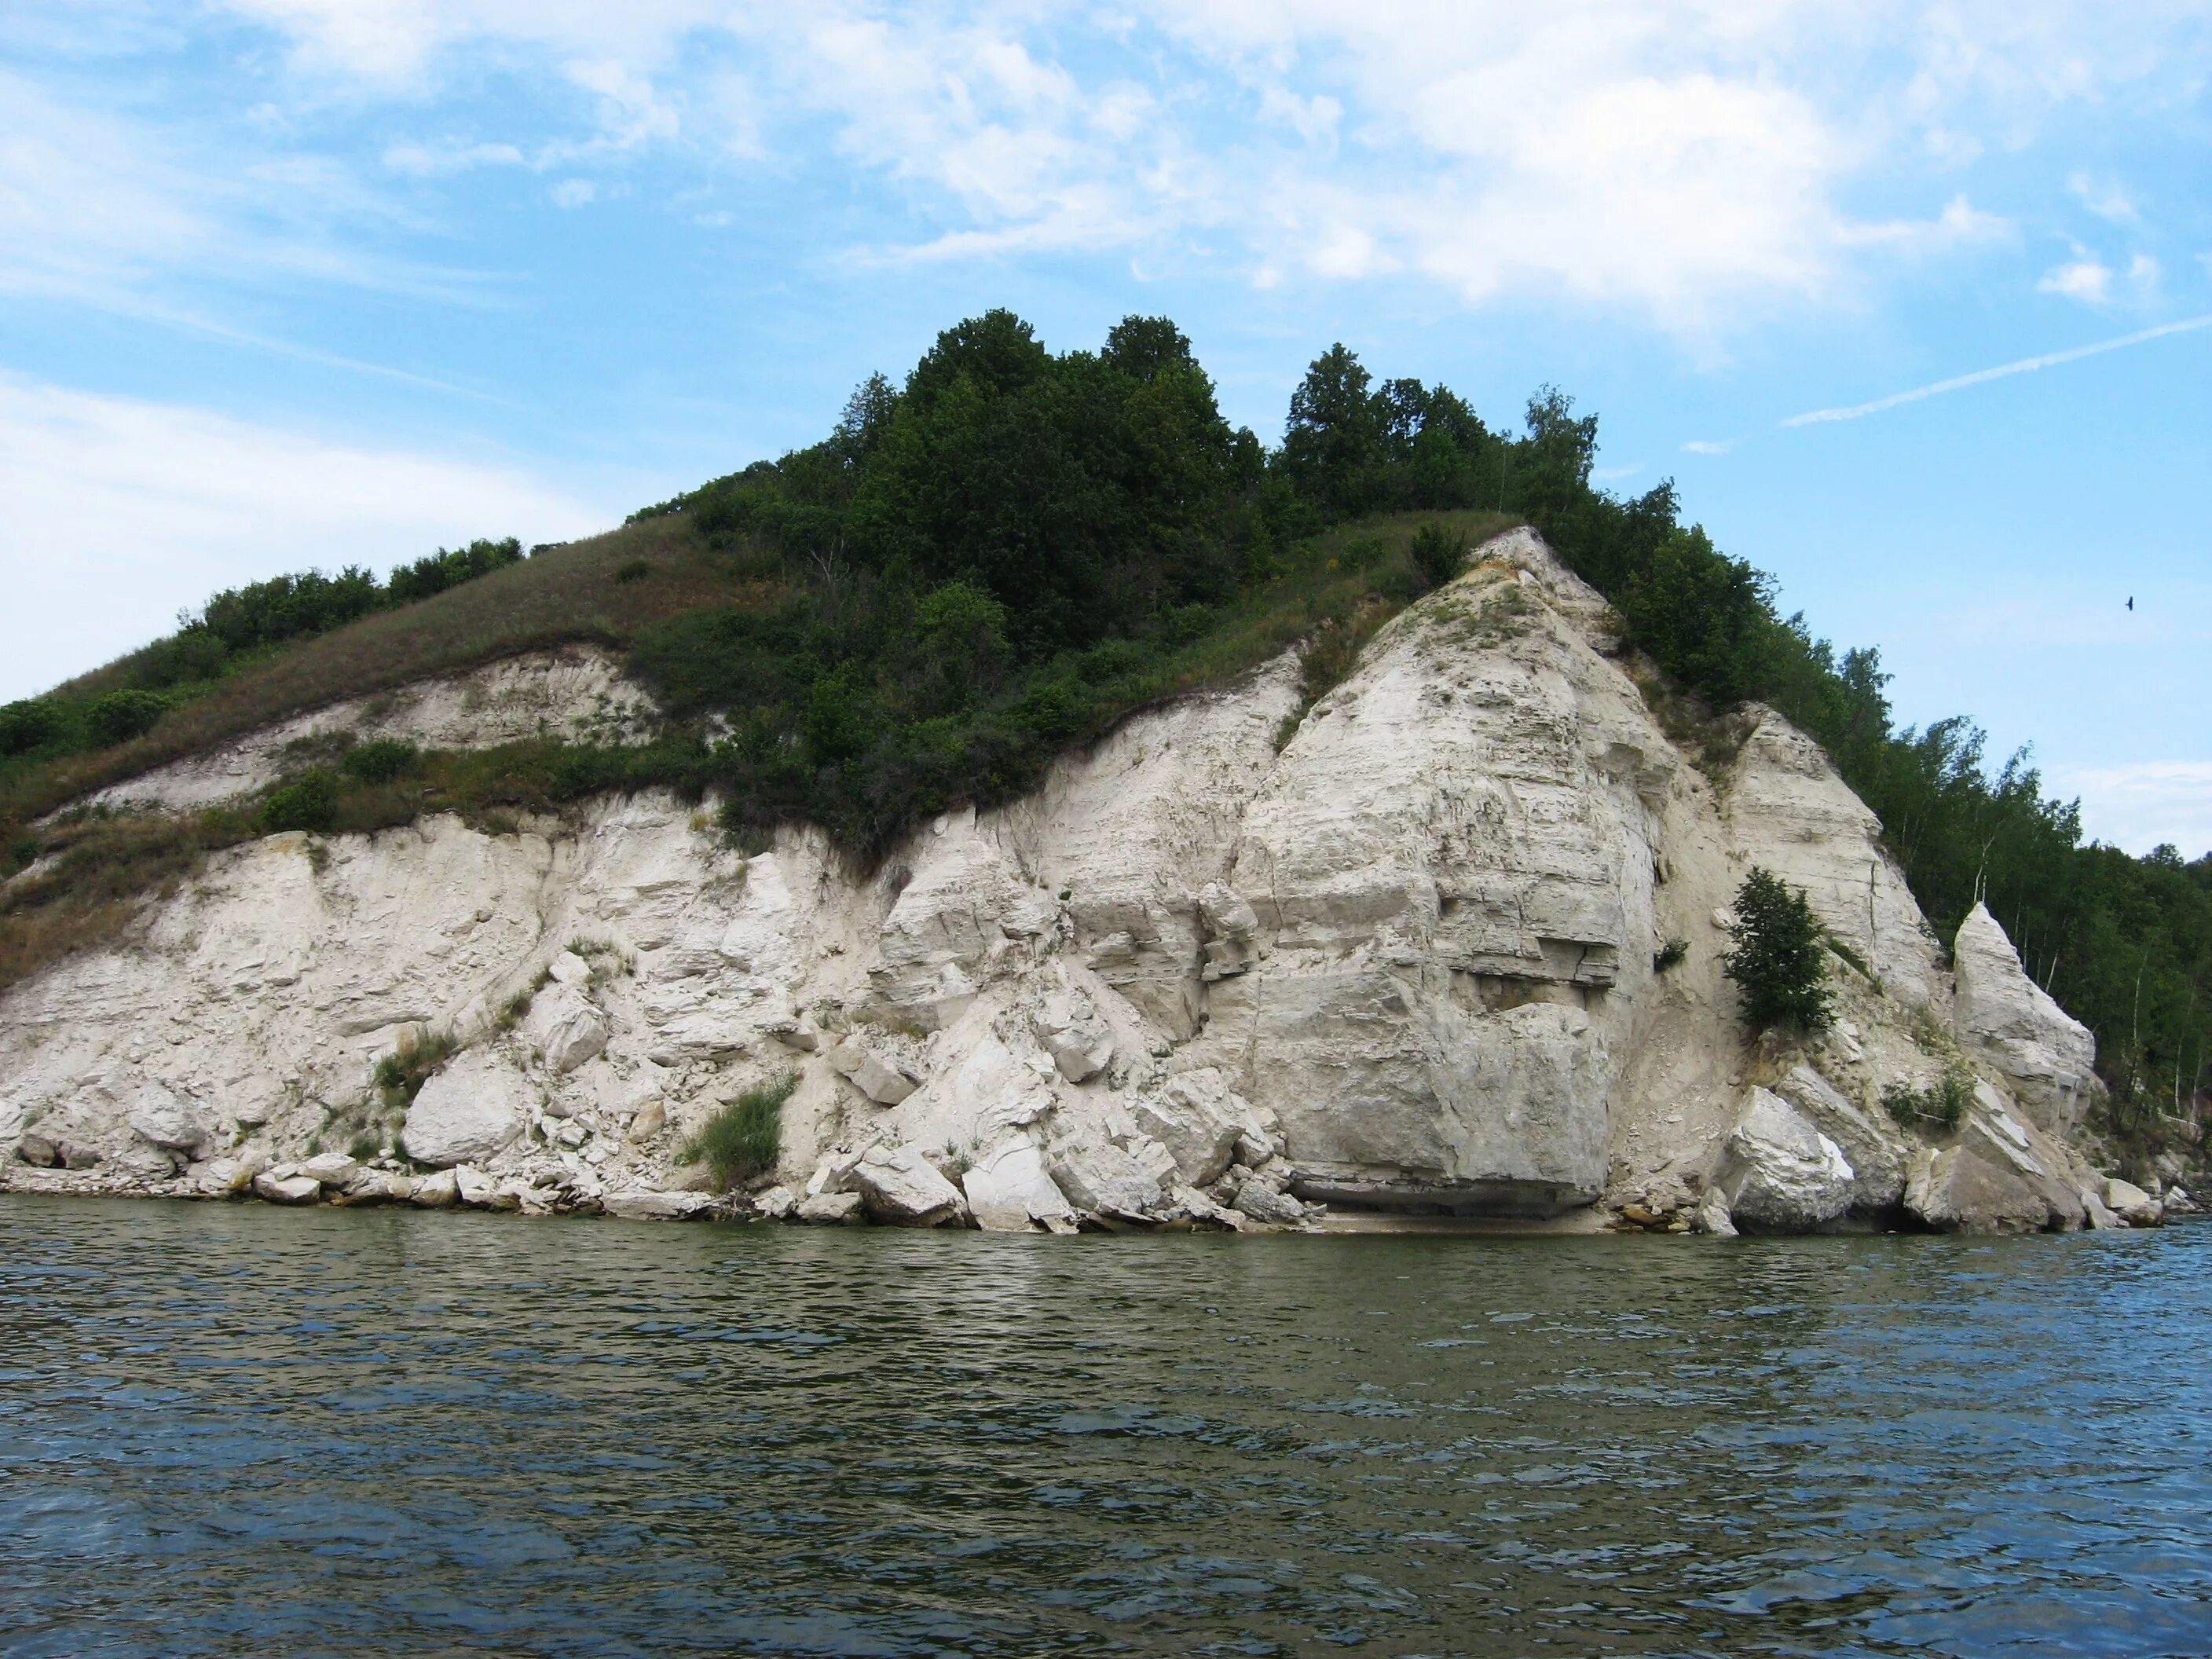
1914,302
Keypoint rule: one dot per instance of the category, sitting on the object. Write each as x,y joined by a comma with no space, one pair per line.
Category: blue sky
287,282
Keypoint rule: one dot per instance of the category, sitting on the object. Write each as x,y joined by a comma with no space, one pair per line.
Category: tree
1333,441
1778,956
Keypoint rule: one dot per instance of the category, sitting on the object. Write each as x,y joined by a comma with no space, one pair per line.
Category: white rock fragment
879,1081
641,1204
468,1113
898,1185
1780,1173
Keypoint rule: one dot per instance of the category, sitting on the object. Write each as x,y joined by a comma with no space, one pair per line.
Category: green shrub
1439,554
1669,955
381,760
635,570
1943,1102
29,724
743,1138
121,715
308,802
1777,959
401,1075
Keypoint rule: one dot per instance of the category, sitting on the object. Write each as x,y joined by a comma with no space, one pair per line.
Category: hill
1002,559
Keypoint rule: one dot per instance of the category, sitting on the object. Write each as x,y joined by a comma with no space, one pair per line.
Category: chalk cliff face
1404,960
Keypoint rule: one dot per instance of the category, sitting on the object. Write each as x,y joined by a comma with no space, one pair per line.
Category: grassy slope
566,593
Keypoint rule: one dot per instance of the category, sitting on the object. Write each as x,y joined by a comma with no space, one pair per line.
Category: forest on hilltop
1013,550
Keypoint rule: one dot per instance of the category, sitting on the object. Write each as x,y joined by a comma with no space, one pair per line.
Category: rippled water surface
237,1430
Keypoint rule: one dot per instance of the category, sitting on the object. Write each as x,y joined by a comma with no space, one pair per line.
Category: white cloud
1706,447
1689,159
122,512
2142,807
2103,196
2086,278
574,193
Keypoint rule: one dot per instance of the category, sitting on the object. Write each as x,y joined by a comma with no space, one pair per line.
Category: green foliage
1439,554
380,760
1943,1103
1669,955
1776,956
121,715
29,724
743,1138
400,1075
439,571
309,802
635,570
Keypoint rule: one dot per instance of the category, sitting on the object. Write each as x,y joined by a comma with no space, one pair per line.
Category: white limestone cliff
1406,960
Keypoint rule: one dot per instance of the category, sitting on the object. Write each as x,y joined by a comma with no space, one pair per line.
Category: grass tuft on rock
743,1139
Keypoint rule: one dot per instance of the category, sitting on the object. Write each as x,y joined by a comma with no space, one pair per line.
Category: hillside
1001,560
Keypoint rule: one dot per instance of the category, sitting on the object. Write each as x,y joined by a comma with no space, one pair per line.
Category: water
239,1429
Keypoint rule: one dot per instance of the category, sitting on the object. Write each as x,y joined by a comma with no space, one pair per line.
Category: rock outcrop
1231,962
2011,1022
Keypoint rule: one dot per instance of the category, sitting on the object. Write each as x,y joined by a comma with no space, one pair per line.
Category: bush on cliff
1778,957
743,1138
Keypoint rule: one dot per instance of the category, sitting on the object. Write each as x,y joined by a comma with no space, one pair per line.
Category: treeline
995,558
235,626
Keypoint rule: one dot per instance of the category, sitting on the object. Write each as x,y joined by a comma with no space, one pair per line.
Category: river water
241,1430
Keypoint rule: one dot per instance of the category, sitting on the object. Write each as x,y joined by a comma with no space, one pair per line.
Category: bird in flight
2131,601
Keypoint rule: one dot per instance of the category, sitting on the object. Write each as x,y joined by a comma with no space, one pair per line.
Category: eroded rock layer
1236,961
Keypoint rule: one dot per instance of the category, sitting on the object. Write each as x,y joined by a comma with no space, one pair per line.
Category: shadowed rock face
2010,1022
1403,961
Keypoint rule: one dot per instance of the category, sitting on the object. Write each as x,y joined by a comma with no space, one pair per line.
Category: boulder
566,1028
1106,1181
648,1120
1195,1116
375,1187
898,1185
873,1076
441,1191
468,1112
331,1168
159,1115
1992,1181
479,1191
2000,1013
2132,1204
1078,1040
1255,1199
776,1203
1779,1173
1711,1216
1008,1189
644,1204
38,1151
568,969
831,1210
2098,1218
1877,1152
78,1155
287,1188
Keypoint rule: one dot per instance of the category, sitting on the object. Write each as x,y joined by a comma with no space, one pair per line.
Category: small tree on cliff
1779,958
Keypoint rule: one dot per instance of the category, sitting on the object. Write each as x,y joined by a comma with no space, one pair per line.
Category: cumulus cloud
121,511
2086,278
1689,160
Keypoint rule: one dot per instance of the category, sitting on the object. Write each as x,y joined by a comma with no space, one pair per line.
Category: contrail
2026,365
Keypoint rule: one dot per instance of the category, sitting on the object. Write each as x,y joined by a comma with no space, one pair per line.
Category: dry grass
564,594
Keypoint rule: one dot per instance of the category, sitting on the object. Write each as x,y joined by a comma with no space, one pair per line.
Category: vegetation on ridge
1014,548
